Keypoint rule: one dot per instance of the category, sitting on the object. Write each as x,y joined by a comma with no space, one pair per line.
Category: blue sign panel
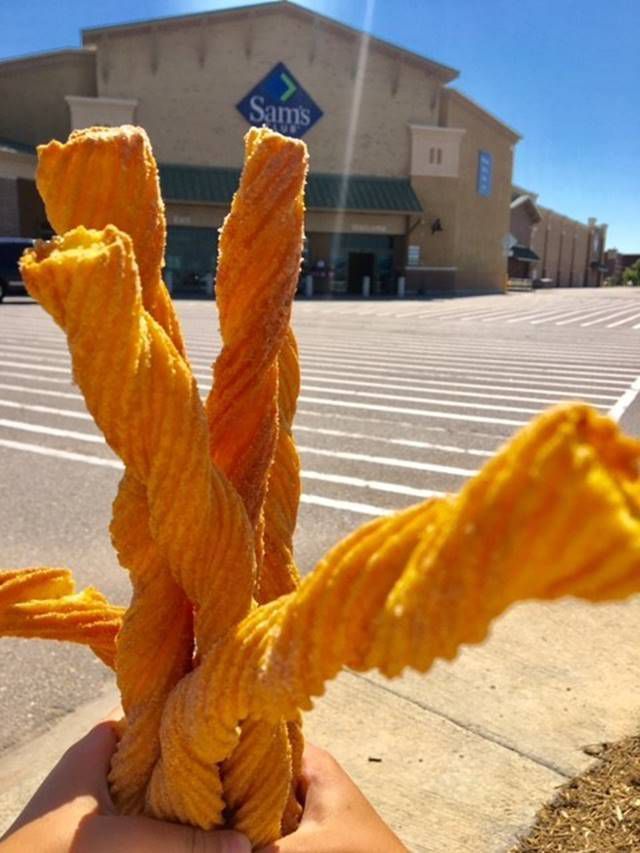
485,170
281,103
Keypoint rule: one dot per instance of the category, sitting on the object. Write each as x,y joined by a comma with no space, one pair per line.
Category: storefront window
191,260
350,259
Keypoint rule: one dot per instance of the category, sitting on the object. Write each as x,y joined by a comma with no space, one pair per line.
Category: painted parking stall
399,402
362,392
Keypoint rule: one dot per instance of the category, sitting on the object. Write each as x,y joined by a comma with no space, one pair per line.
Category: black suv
11,248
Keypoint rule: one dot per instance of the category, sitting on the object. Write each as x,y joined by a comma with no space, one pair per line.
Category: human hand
337,816
72,811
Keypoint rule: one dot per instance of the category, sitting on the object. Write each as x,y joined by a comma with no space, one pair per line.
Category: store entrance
360,264
191,260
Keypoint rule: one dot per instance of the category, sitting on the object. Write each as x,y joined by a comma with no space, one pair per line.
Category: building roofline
456,94
525,198
597,226
444,72
520,190
45,56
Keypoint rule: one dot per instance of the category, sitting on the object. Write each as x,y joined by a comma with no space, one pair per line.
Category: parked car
11,248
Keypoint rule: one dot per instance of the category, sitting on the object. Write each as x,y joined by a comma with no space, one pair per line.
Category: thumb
107,834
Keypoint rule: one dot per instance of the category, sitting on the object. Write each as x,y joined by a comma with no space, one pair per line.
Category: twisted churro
258,267
108,176
206,511
44,603
121,164
407,589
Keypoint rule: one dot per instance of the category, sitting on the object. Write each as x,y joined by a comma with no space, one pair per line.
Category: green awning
212,185
524,253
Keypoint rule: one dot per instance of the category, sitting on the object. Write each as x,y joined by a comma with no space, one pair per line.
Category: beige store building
554,248
409,178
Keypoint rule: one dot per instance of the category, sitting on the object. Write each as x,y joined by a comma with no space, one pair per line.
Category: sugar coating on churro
206,510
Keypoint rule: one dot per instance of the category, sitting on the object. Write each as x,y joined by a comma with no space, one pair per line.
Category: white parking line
390,461
537,315
403,442
424,385
593,384
576,350
62,350
422,400
55,379
489,393
375,485
623,321
617,411
41,392
582,317
584,369
360,419
41,429
606,318
34,359
450,416
555,376
315,500
360,354
45,410
486,356
47,368
62,454
345,506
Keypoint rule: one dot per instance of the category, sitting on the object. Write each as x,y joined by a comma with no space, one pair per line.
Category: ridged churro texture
258,269
43,603
145,400
250,409
66,266
108,176
413,587
205,514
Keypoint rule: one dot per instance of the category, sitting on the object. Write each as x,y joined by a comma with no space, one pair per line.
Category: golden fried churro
145,400
74,195
277,573
108,176
205,514
43,603
259,267
407,589
257,276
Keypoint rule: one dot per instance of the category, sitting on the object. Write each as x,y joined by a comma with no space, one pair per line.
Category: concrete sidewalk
460,760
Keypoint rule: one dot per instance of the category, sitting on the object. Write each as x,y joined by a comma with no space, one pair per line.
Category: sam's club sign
281,103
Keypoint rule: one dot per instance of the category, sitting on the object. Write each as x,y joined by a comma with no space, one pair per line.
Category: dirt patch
597,812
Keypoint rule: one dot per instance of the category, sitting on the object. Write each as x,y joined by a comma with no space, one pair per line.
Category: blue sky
564,73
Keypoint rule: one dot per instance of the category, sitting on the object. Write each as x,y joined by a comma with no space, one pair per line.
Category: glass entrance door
191,259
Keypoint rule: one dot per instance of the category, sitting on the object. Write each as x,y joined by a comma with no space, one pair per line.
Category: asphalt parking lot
400,400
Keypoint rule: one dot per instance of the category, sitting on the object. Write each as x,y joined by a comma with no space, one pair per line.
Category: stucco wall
521,225
201,71
32,94
565,252
482,222
17,165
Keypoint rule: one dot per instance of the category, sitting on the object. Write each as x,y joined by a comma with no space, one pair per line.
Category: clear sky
563,73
